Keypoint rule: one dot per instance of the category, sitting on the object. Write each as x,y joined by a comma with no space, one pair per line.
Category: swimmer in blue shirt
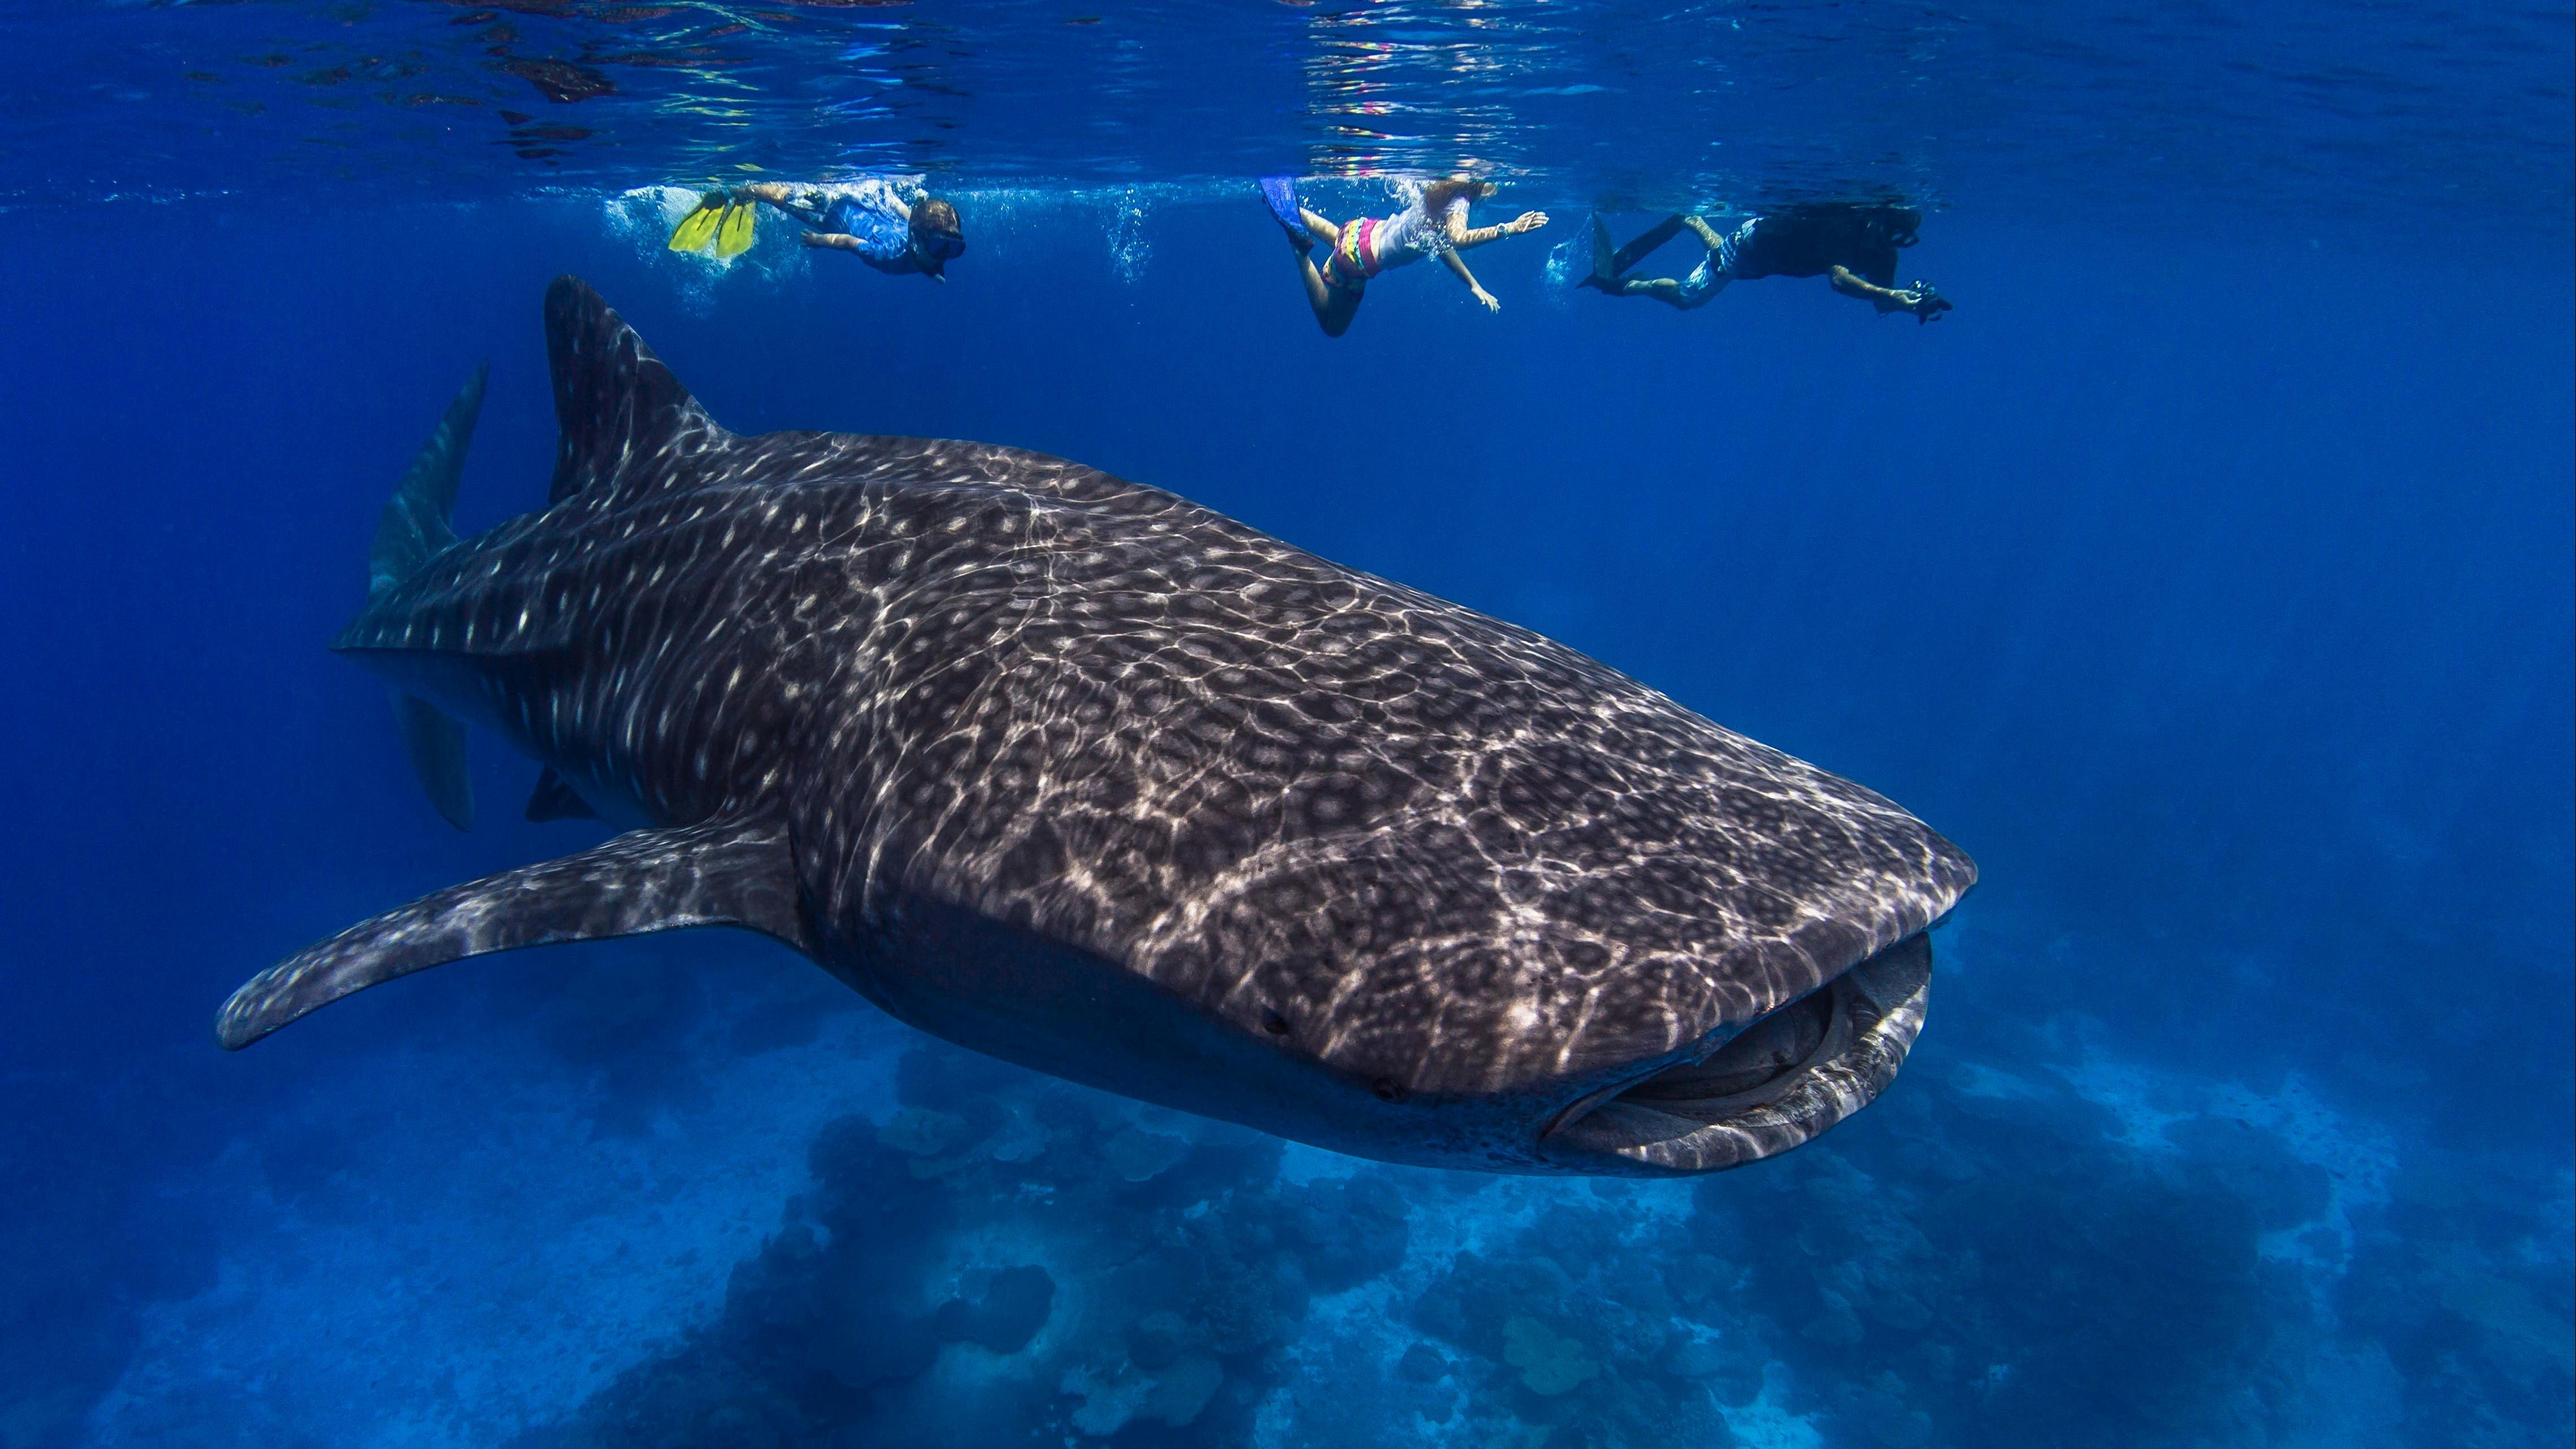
1853,247
892,227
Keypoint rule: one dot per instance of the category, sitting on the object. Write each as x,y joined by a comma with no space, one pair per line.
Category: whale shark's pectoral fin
555,800
722,873
436,744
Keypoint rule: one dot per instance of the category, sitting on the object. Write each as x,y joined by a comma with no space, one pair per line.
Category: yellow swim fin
734,237
699,227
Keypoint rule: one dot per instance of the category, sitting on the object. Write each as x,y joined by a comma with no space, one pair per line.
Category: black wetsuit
1795,241
1810,241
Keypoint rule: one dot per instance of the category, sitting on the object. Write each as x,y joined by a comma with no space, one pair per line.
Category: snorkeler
1853,246
893,228
1358,250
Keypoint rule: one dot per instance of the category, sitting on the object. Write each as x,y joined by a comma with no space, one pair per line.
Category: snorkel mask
935,250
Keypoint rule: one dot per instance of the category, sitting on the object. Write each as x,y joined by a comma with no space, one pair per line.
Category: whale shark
1080,775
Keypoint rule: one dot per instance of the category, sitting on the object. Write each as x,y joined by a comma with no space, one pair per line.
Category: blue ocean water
2206,574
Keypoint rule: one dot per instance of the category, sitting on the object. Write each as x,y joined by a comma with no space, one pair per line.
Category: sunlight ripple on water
2327,108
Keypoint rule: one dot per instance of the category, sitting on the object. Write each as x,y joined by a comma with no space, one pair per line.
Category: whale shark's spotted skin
1084,774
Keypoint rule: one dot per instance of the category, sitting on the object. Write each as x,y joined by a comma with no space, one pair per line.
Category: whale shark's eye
1273,1023
1388,1089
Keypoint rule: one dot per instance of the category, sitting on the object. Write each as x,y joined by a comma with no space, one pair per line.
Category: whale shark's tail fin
725,872
624,419
413,529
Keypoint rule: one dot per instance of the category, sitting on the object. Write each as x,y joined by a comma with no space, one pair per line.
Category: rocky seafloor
659,1215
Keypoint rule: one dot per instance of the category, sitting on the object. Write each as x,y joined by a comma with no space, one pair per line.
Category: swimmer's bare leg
1319,293
1338,310
1333,306
1666,290
786,198
1707,234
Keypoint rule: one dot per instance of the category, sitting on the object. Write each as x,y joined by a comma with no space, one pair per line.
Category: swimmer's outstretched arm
1458,268
1463,237
838,239
1917,300
1852,284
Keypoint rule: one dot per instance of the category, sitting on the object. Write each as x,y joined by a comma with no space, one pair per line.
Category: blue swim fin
1281,193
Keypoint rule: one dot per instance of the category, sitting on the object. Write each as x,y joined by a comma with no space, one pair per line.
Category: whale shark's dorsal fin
722,873
413,529
623,416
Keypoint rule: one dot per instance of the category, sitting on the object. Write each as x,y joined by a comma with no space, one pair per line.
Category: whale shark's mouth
1781,1082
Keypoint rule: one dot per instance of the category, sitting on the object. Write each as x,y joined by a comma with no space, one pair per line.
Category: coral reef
1067,1261
2003,1257
1550,1363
